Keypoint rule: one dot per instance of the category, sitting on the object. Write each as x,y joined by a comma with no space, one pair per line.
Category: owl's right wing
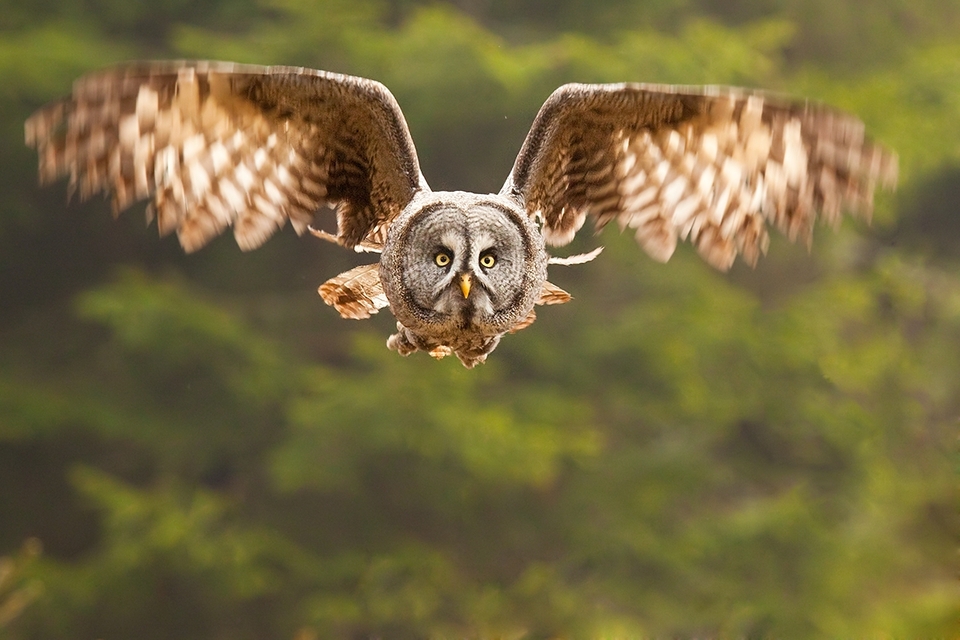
217,144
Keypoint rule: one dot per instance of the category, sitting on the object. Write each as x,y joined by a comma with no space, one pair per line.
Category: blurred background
196,447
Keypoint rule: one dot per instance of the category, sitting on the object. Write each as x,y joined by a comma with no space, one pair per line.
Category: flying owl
214,145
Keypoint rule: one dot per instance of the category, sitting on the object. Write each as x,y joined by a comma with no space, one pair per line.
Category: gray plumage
460,270
214,145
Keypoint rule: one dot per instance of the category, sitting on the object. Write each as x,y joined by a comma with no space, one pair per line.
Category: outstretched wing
218,144
712,165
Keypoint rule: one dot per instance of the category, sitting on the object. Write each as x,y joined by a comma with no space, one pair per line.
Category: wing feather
216,144
715,166
356,294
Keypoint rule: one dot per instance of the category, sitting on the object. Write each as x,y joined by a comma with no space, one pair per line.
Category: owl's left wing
215,144
712,165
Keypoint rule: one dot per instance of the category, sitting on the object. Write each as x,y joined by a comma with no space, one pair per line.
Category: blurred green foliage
17,592
206,451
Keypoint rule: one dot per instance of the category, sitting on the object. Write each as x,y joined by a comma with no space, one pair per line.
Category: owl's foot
441,352
406,342
471,361
400,342
473,354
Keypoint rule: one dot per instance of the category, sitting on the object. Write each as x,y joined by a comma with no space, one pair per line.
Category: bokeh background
195,447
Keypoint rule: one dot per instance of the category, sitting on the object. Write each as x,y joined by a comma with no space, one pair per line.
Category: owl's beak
465,284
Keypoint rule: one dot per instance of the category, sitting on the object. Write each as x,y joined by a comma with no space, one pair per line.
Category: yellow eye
442,259
487,260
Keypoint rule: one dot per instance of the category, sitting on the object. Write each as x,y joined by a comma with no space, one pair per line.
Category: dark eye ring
487,260
442,259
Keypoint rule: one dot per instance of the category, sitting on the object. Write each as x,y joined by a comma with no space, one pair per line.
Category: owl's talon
441,352
470,362
398,342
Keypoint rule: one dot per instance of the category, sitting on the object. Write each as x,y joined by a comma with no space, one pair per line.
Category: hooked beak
465,284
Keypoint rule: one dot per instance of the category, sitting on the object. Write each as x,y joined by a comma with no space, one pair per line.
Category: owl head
456,259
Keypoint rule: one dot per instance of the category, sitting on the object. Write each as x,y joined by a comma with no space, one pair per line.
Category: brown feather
357,293
715,166
220,144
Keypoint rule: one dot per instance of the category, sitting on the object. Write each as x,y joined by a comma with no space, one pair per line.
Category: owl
214,145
